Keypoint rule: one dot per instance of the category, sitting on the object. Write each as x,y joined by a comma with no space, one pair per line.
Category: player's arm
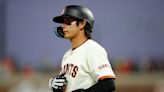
105,85
99,65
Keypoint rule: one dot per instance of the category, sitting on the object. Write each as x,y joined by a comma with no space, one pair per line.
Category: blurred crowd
24,79
138,65
29,79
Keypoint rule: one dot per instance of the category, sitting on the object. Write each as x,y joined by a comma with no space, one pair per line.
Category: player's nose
63,25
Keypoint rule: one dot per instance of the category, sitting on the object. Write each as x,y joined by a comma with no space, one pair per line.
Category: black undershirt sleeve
105,85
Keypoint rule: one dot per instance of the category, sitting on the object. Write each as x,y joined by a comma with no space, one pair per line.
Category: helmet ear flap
59,32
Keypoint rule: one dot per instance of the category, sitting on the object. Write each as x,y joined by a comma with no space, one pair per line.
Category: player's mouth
65,32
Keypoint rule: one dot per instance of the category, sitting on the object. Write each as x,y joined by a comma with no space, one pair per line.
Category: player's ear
82,24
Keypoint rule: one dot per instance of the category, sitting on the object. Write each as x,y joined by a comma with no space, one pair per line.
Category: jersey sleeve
99,64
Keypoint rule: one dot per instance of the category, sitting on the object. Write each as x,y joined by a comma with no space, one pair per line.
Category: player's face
70,28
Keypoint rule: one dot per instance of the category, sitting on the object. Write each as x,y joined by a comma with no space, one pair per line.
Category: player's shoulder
94,46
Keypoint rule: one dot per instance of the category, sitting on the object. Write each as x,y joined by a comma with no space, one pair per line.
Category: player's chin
67,37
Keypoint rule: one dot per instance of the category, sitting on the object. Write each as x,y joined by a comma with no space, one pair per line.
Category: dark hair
87,28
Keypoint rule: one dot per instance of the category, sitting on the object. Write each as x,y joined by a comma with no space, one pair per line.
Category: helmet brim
60,19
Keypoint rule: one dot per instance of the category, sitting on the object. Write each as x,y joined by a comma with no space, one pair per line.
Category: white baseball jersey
85,65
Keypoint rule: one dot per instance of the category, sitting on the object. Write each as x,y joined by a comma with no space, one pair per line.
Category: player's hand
57,82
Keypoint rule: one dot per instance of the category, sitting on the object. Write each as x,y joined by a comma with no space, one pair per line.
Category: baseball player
85,66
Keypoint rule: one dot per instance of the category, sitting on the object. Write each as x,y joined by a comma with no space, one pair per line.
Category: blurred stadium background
132,31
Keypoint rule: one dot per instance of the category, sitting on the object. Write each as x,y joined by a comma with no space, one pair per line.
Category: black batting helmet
76,11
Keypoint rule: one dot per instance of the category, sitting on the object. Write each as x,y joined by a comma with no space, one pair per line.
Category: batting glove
57,82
